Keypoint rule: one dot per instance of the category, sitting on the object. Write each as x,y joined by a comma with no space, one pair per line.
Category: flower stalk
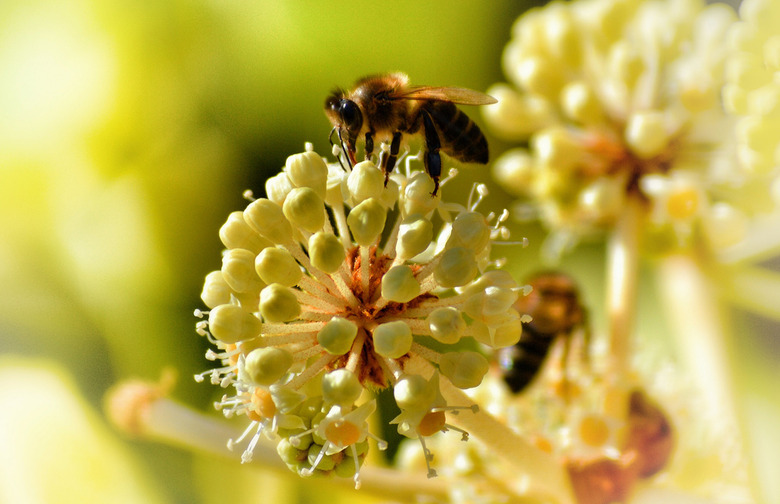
622,282
155,417
546,478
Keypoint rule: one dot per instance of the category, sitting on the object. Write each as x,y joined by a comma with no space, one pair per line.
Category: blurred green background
128,132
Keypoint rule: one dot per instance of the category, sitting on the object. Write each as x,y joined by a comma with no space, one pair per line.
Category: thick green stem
163,420
696,323
622,280
544,478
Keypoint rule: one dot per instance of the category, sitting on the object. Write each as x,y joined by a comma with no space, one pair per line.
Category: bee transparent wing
461,96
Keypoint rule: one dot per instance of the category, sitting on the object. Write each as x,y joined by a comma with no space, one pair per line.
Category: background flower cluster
127,133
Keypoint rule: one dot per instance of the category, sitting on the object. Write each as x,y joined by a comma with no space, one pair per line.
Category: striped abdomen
460,137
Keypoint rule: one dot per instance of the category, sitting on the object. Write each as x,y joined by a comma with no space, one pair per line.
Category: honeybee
385,107
554,304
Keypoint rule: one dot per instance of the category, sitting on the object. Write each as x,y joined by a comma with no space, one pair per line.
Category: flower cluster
752,90
329,286
618,100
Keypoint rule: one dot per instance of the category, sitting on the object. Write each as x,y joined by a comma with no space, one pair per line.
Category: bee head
344,113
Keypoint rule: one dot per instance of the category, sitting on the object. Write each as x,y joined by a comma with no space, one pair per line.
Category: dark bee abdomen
522,362
460,137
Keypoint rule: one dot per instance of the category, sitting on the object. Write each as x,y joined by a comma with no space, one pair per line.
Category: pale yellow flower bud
446,324
393,339
457,266
326,251
308,169
337,336
267,219
365,181
366,221
464,369
238,270
580,103
646,134
400,285
556,148
277,265
414,236
469,230
265,366
304,209
215,290
413,392
416,197
341,386
516,116
515,170
278,304
236,233
278,187
231,324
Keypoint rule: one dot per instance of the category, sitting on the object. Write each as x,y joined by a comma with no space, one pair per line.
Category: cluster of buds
620,99
329,286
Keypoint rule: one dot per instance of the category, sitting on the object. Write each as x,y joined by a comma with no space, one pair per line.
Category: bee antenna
341,146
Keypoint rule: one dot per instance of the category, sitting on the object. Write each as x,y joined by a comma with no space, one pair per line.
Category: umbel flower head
621,99
329,285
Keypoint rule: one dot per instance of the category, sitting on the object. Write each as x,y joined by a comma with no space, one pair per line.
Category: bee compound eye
350,114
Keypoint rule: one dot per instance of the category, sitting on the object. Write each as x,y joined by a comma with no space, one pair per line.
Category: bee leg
432,146
389,163
369,144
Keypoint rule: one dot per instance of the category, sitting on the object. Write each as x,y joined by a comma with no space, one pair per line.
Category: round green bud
625,63
516,116
580,103
326,462
413,392
556,148
539,76
416,197
287,452
469,230
389,195
308,169
304,209
365,181
337,186
326,252
646,134
346,468
515,170
337,336
267,219
238,270
490,302
446,324
414,236
400,285
215,290
464,369
393,339
502,333
278,187
236,233
277,265
341,386
495,278
366,221
265,366
231,324
279,304
457,267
